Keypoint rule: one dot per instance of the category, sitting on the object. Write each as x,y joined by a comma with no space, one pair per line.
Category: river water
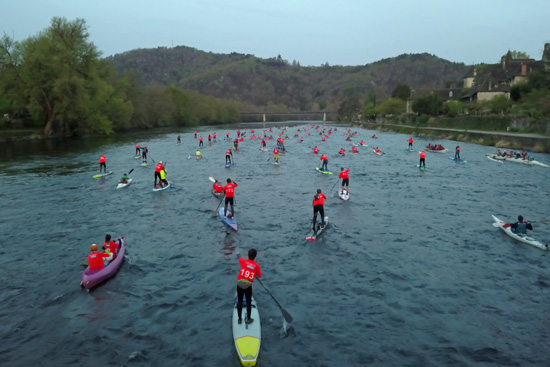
410,271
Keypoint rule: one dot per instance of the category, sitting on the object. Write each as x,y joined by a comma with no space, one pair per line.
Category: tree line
57,81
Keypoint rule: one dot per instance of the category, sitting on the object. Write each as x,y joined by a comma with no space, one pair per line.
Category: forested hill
276,82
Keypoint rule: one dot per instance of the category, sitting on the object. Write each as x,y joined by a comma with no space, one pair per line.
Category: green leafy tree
349,109
392,106
429,105
369,110
453,108
402,91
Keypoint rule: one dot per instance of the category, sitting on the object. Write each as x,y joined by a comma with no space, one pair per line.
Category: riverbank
538,143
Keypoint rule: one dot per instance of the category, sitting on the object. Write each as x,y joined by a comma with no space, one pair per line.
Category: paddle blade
132,170
286,315
212,179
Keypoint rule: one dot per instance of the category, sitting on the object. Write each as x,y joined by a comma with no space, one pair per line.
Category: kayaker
410,143
95,259
249,271
521,227
276,155
377,150
344,175
422,159
102,163
315,150
228,156
342,151
301,140
144,153
457,152
158,168
362,142
318,207
138,153
111,248
374,136
324,166
198,154
124,178
200,142
227,136
217,187
354,150
229,190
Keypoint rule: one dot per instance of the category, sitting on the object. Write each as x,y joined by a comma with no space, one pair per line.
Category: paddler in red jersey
362,142
342,151
249,271
200,142
263,143
229,190
410,143
95,259
457,153
195,134
324,166
138,151
217,187
276,155
315,150
236,144
344,175
422,159
228,155
318,207
158,168
102,163
354,150
214,136
110,247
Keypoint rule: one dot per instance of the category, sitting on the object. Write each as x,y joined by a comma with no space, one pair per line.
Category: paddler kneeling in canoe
96,259
217,187
111,249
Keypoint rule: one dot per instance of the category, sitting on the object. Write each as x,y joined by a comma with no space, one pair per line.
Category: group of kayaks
500,159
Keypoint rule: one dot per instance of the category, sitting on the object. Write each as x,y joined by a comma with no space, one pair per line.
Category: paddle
212,179
215,212
338,180
151,157
285,313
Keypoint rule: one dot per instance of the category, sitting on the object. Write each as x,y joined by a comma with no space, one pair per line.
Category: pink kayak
91,278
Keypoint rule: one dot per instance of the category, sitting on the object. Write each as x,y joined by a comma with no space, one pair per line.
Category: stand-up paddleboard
103,174
409,150
158,188
457,160
313,234
325,172
247,337
124,184
274,162
228,164
422,168
263,149
229,221
144,164
137,156
343,194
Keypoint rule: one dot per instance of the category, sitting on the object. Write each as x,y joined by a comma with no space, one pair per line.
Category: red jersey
422,155
159,167
344,174
315,150
214,135
354,149
200,139
137,146
324,158
458,149
410,140
249,270
320,199
102,159
112,246
275,151
217,187
362,142
342,151
95,260
229,189
228,152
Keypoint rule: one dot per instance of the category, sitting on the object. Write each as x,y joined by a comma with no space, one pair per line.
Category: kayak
228,164
158,188
325,172
247,337
91,278
217,194
229,221
422,168
458,160
377,153
344,195
122,185
103,174
520,237
495,158
313,234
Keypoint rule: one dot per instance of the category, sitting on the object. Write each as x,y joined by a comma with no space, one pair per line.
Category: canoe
520,237
247,337
158,188
122,185
229,221
437,151
495,158
91,278
313,234
217,194
103,174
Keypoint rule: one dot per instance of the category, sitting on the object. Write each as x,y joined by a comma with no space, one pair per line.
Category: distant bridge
301,115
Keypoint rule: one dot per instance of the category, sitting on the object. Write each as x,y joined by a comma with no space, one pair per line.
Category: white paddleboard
247,337
343,194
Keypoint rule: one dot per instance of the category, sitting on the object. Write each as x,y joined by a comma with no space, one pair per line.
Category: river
410,271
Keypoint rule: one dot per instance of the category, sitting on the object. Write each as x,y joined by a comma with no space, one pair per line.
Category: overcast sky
312,32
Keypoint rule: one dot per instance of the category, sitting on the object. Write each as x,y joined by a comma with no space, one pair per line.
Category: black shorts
345,182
